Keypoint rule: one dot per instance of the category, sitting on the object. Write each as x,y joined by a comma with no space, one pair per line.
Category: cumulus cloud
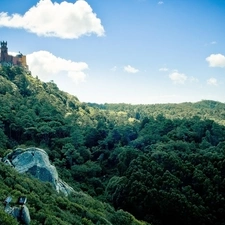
163,69
216,60
130,69
178,78
160,2
13,53
44,64
212,81
64,20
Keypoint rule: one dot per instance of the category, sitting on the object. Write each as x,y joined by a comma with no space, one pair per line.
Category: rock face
36,162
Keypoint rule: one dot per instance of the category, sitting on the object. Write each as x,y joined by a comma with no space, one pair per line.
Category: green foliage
163,163
46,206
6,219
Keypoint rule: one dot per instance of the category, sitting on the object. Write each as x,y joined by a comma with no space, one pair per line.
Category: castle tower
9,60
4,52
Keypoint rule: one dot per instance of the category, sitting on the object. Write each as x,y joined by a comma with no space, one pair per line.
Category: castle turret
4,51
9,60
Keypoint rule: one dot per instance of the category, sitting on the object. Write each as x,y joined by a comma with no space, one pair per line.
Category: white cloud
213,42
114,68
216,60
13,53
212,81
130,69
160,2
163,69
63,20
193,79
44,64
178,78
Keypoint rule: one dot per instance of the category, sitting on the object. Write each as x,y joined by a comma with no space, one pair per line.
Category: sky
122,51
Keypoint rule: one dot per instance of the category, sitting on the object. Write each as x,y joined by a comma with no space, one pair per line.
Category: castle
9,60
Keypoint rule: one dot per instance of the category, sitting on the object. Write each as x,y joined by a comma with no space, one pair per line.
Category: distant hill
205,109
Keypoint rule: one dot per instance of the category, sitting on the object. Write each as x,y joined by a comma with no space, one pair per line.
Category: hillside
35,113
48,207
163,163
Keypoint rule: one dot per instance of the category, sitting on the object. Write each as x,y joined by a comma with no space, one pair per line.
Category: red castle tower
9,60
5,58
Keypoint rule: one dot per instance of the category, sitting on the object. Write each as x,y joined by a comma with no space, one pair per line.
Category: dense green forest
48,207
163,163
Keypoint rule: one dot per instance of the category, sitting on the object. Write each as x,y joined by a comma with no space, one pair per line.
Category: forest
161,164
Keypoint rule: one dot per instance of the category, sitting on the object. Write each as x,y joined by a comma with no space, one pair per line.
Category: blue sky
122,51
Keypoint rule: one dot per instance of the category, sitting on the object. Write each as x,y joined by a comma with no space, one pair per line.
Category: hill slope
162,163
47,207
35,113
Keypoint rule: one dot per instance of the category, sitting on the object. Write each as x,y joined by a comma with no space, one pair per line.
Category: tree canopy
162,163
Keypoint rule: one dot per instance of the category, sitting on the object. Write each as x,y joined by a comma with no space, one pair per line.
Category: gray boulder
21,213
35,161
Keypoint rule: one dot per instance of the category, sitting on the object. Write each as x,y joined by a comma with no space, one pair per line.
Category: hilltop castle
9,60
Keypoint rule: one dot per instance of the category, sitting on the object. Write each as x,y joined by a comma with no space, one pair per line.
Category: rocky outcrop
36,162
